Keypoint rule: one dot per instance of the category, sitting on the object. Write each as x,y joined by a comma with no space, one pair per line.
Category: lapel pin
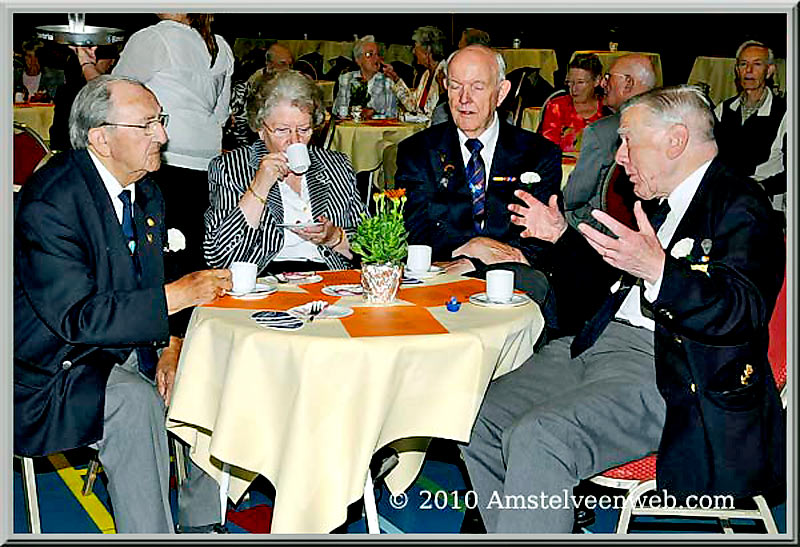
151,221
504,179
149,237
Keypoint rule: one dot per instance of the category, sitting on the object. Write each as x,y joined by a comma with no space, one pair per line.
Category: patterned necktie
593,328
147,357
476,179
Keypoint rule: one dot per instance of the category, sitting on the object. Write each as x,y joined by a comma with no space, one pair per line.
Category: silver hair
358,46
680,104
288,86
92,107
501,63
432,39
756,43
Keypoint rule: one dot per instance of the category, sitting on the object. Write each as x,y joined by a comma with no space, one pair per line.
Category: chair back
305,67
553,95
617,197
30,152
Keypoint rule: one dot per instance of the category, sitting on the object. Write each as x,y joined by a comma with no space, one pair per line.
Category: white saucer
299,225
331,312
350,289
480,299
291,280
432,272
260,291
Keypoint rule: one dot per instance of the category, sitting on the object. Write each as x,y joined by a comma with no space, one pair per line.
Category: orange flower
396,193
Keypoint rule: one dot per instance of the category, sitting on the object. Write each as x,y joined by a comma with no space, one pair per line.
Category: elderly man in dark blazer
460,176
91,307
676,359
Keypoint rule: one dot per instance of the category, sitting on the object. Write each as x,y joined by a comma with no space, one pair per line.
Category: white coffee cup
499,286
243,276
419,258
299,162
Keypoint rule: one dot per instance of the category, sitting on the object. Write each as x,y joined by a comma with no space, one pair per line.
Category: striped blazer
229,238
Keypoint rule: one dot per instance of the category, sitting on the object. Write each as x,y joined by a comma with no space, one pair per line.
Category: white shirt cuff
651,290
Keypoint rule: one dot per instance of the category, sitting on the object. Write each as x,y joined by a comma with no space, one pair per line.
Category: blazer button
678,340
66,364
693,388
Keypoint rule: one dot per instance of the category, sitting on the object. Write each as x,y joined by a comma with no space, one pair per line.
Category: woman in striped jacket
253,192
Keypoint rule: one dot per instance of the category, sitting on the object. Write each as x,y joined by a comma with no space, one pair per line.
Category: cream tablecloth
717,73
607,57
308,408
364,142
543,59
38,117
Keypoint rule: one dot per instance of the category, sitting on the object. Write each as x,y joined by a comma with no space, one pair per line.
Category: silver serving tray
91,36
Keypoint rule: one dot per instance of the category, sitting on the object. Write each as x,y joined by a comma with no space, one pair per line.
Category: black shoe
216,528
473,523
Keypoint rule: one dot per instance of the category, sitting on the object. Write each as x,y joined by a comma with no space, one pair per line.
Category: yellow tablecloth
717,73
37,117
607,57
362,141
544,59
308,408
531,117
327,91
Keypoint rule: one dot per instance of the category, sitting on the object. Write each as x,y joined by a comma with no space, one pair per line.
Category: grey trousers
135,456
555,421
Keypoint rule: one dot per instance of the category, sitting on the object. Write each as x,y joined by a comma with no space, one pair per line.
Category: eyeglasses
149,126
575,82
283,132
607,76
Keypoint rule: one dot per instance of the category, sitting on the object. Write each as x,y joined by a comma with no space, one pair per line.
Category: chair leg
766,514
370,507
91,476
180,461
631,499
31,497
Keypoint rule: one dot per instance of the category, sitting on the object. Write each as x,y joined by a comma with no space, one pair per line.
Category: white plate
260,291
299,225
432,272
480,299
351,289
331,312
292,280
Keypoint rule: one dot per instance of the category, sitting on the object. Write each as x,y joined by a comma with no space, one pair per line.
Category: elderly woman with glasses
565,116
256,198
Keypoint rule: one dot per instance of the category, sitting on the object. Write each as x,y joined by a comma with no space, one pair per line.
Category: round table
543,59
308,408
362,141
37,116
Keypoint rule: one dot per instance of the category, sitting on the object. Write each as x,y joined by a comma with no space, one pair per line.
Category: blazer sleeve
411,175
228,236
57,273
582,192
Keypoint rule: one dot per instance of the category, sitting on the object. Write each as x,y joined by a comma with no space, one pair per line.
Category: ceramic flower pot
355,113
380,282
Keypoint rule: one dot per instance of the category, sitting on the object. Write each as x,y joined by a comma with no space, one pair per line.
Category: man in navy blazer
91,306
675,363
432,167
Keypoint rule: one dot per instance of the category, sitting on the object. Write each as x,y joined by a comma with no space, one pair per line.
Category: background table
717,73
361,141
308,408
38,117
327,91
607,57
543,59
531,117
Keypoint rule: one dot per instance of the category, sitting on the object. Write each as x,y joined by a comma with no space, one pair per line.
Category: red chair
617,197
30,152
639,476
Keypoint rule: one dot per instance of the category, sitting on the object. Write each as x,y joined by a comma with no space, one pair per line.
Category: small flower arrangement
382,238
359,93
683,250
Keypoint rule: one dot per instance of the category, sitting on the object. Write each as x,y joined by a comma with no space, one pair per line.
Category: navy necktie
593,328
476,179
146,356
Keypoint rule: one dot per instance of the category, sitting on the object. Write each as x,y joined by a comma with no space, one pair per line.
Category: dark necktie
146,356
476,179
593,328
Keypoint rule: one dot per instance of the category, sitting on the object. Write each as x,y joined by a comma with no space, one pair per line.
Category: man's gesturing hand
540,221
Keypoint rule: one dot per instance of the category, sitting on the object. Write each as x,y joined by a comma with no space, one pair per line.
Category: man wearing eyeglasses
91,308
382,100
628,76
752,125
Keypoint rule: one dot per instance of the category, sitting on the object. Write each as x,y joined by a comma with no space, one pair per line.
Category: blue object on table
453,304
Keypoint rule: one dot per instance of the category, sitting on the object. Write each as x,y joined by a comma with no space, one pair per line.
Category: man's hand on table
456,267
166,368
490,251
197,288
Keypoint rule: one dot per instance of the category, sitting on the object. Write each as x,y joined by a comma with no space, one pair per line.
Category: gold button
693,388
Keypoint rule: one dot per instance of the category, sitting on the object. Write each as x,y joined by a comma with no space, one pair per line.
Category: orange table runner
280,301
392,321
438,295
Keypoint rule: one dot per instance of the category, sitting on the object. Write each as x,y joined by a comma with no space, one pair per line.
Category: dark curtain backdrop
677,37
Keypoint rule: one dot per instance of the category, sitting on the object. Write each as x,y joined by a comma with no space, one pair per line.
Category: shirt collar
113,186
763,110
488,138
680,198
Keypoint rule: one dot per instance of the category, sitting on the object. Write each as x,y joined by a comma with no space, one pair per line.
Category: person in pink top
566,116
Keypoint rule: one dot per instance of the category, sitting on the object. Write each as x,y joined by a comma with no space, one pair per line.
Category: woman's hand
273,167
323,234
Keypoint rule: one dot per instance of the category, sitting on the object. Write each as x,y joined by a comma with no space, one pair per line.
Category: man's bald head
628,76
279,58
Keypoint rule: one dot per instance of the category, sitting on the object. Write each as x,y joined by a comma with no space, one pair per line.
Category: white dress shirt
113,187
489,140
679,200
296,209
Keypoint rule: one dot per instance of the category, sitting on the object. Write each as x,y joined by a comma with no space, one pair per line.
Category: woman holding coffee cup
260,192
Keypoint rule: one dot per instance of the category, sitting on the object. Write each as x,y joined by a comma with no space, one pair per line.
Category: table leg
224,484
